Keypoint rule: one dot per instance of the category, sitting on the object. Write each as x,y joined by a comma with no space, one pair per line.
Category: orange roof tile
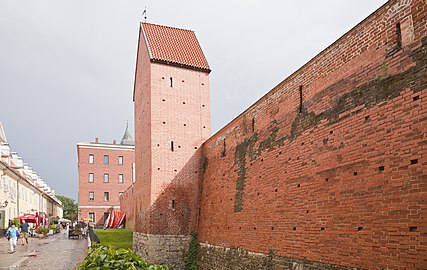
174,46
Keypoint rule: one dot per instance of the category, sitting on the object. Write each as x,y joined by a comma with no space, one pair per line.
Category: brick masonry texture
326,171
341,179
98,168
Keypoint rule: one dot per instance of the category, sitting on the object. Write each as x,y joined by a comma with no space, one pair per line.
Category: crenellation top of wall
375,32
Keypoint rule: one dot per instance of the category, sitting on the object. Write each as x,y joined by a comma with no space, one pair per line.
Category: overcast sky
67,67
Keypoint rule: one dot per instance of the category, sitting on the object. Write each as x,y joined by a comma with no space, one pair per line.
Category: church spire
127,138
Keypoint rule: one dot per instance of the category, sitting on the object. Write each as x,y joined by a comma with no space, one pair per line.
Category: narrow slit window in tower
398,36
300,99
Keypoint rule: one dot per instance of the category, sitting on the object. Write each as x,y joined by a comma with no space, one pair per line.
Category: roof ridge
166,26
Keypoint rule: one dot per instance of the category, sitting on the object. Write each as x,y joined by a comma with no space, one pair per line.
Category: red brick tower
172,120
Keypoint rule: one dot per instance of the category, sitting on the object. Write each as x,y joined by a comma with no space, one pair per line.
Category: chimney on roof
96,140
114,142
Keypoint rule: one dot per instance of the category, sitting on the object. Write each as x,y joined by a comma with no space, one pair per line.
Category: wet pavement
53,252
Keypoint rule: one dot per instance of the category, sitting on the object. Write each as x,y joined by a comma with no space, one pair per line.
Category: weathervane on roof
144,14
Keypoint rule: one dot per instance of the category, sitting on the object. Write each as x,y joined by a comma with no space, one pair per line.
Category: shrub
16,222
40,230
102,257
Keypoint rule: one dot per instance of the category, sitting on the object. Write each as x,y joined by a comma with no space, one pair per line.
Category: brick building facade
326,171
105,172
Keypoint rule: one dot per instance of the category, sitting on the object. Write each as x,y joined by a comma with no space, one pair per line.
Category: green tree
70,207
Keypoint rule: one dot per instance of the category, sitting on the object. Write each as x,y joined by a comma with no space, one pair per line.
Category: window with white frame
106,196
120,160
92,216
121,178
106,177
91,196
91,177
91,158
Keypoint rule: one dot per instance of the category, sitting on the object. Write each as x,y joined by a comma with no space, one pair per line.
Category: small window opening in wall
359,228
381,168
367,118
224,149
295,228
322,228
163,99
185,125
172,146
398,36
163,78
203,105
414,161
331,132
300,99
298,185
171,81
164,122
182,81
253,124
203,84
173,204
355,173
183,102
412,229
416,98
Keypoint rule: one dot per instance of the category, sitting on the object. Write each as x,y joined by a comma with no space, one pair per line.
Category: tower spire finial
127,138
144,14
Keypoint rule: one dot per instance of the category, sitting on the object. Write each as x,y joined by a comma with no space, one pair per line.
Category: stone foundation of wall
162,249
224,258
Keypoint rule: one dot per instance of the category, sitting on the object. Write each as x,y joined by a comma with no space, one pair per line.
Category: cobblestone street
54,252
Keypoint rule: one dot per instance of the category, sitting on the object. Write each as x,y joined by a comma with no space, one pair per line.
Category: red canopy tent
115,219
28,218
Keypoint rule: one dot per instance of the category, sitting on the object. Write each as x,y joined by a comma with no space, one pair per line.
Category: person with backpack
12,234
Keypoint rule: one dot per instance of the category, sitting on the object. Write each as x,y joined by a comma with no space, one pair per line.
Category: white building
22,191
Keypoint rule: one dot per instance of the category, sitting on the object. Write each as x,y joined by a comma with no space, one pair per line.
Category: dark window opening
224,149
173,204
300,99
253,124
414,161
399,36
171,82
172,146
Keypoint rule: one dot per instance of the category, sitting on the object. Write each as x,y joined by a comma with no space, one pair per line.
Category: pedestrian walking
24,232
12,234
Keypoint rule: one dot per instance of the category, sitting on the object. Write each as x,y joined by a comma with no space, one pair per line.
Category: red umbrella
28,218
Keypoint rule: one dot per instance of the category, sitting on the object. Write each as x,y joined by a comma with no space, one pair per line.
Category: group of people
13,233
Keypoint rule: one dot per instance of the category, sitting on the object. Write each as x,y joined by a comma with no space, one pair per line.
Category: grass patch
116,238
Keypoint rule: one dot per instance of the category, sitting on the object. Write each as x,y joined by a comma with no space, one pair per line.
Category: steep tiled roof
174,46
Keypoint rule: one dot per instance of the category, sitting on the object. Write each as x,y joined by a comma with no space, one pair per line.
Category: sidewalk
53,252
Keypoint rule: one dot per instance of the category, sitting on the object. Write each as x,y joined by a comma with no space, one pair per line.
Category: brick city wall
328,168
